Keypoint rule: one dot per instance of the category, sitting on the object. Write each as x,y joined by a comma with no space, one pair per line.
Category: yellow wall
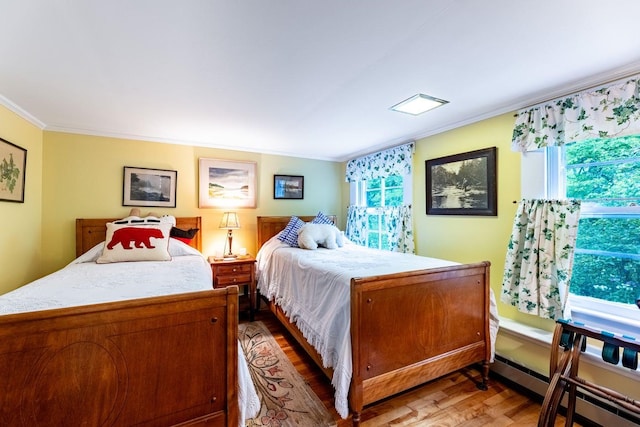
83,179
21,222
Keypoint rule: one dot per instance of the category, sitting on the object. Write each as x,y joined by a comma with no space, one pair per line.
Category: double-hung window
605,174
376,194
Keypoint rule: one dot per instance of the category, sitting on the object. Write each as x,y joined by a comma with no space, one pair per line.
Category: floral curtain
394,161
356,230
400,228
398,223
598,113
539,259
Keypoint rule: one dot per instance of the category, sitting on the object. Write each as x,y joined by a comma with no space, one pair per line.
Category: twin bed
378,323
156,355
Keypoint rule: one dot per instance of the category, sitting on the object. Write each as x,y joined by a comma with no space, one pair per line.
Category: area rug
285,398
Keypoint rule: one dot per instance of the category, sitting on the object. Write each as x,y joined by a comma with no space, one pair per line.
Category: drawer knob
235,269
235,280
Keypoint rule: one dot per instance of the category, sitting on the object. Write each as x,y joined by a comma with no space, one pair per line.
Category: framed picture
288,187
227,184
13,165
463,184
149,187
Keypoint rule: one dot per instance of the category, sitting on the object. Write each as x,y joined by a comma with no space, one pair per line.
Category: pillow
290,233
321,218
136,240
183,235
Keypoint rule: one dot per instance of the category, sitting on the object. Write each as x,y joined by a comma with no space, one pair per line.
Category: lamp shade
230,221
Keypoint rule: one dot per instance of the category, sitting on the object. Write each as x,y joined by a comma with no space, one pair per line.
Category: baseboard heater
588,407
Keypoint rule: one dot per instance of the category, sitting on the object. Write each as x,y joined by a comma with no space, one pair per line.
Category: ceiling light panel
418,104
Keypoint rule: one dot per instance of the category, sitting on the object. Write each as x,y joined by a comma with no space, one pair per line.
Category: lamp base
230,257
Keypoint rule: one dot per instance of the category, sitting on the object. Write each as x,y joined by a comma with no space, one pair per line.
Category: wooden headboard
90,232
269,226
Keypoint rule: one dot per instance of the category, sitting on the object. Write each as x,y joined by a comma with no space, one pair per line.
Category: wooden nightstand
239,271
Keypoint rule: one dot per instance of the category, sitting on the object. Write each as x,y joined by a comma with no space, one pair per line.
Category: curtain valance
394,161
598,113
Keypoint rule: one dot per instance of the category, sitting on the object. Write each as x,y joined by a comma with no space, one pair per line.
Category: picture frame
149,187
288,187
226,184
13,167
462,184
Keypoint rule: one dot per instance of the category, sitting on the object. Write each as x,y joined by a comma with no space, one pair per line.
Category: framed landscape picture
149,187
13,164
288,187
462,184
227,184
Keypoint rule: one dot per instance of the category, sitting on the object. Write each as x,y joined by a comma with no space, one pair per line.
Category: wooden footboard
151,362
409,328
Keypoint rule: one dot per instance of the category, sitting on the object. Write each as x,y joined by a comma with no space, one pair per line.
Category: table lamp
230,222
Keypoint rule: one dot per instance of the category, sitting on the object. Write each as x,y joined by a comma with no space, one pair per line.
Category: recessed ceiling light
418,104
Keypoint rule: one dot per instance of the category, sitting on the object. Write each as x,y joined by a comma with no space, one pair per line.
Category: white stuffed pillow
136,241
312,235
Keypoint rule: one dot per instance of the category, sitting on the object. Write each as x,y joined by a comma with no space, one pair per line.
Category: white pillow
134,241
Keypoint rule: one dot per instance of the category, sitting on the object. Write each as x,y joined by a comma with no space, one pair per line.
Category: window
605,175
377,194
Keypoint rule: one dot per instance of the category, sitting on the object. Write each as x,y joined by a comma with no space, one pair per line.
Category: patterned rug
286,400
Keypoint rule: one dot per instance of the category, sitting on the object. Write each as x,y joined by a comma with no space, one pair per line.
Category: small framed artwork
149,187
288,187
13,165
227,184
462,184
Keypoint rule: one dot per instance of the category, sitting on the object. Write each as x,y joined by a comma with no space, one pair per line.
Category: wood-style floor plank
451,401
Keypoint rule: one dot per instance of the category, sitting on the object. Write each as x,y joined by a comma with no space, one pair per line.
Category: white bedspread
84,282
322,313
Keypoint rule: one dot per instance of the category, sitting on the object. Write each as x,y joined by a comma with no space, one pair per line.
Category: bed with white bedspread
313,291
162,342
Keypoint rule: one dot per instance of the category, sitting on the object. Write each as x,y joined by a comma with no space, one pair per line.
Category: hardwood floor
451,401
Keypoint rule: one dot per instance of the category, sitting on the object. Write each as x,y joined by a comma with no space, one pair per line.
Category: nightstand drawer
232,279
223,270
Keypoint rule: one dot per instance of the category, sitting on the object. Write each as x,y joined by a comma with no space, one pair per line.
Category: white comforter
84,282
322,313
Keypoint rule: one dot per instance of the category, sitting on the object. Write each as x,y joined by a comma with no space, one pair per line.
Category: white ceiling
305,78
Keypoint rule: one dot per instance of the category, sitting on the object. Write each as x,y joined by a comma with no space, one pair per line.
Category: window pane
616,278
393,197
373,221
393,181
604,172
373,240
374,198
374,183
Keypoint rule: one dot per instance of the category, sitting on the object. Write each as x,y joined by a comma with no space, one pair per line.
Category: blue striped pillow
290,233
321,218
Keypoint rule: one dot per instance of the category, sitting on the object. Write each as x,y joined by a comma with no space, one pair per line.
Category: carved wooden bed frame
393,346
169,360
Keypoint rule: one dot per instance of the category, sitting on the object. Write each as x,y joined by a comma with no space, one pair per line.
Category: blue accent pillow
290,233
321,218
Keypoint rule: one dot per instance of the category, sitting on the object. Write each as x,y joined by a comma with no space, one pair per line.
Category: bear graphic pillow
136,242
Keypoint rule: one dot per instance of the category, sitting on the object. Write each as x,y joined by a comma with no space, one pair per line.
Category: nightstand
239,271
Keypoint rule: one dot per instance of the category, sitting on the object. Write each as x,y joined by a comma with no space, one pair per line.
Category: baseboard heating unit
595,410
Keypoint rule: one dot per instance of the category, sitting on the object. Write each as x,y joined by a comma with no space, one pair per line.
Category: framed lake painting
227,184
462,184
149,187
